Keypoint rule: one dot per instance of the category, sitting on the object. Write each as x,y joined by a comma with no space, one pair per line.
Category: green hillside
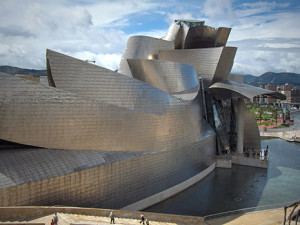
15,70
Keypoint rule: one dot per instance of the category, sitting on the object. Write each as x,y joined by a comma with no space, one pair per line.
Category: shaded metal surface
35,176
210,63
174,78
33,114
97,83
233,89
141,47
251,131
206,37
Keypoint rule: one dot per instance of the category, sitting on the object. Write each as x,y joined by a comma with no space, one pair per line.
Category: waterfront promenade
291,133
76,216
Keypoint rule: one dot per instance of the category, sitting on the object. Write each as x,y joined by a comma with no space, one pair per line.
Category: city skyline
265,32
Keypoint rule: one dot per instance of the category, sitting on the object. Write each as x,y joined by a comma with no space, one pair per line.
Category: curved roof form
211,64
174,78
198,36
37,115
229,88
141,47
97,83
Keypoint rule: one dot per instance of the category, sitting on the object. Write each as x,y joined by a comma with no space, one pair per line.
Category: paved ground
66,219
265,217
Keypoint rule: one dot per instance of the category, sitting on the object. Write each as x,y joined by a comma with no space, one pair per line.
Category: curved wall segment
172,77
210,63
206,37
36,115
141,47
97,83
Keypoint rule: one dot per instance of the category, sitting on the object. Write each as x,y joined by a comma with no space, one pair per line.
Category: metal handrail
245,210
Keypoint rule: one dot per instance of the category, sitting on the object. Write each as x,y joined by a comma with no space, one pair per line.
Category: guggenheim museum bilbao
128,139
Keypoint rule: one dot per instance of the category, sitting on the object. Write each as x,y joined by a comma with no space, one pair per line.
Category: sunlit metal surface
97,83
233,89
174,78
140,47
211,64
33,114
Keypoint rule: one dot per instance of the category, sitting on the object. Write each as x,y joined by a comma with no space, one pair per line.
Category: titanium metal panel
251,132
97,83
210,63
141,47
233,89
37,115
206,37
174,78
172,33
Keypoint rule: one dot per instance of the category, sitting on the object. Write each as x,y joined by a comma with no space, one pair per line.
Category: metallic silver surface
206,37
36,115
174,78
233,89
97,83
141,47
210,63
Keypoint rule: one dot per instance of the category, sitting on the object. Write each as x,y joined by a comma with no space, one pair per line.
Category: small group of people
54,221
259,154
144,220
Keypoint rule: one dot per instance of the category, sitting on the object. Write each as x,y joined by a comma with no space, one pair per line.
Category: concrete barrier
245,161
142,204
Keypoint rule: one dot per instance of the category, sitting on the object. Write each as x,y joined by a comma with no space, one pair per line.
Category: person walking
147,221
55,219
112,217
142,219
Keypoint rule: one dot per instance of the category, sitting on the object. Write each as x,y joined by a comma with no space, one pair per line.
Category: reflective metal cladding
160,120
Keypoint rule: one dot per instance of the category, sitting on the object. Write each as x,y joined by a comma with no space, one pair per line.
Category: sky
267,33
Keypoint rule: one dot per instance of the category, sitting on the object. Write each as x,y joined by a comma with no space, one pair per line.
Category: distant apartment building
292,94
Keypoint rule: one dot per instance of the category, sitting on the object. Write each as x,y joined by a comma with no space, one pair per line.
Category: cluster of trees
265,114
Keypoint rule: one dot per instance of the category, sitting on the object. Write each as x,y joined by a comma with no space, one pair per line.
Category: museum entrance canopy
233,89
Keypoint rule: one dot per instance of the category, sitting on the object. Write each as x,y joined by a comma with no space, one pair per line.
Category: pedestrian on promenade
147,221
142,219
52,222
112,217
55,218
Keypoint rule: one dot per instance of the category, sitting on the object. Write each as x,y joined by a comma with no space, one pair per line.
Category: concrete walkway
265,217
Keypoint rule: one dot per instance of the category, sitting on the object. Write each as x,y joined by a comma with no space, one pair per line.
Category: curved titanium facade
97,83
206,37
141,47
210,63
174,78
146,140
36,115
230,89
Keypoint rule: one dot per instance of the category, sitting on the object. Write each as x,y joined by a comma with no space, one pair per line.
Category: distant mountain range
266,78
15,70
273,78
